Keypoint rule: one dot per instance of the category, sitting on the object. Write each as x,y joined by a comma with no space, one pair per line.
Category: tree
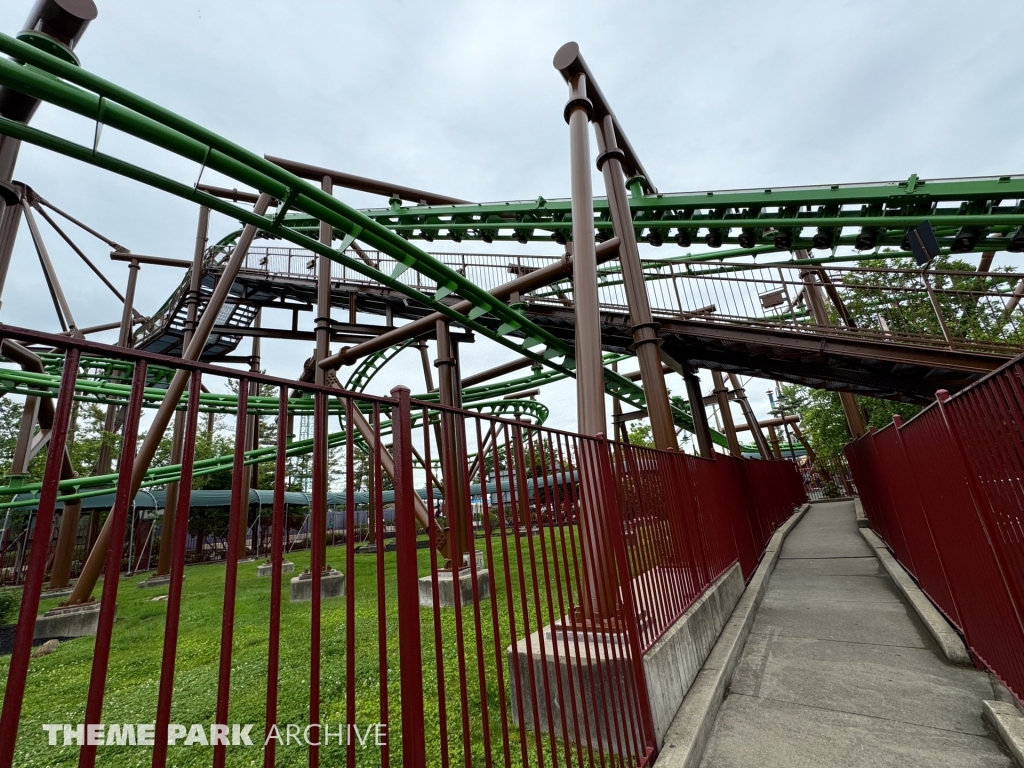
640,434
900,299
823,421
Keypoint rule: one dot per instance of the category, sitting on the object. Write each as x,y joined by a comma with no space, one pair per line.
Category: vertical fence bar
108,601
180,536
276,561
350,577
410,658
317,565
235,522
17,671
376,498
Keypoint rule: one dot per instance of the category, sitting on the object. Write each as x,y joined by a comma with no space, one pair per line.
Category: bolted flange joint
614,153
582,101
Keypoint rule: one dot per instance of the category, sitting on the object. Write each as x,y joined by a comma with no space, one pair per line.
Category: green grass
58,683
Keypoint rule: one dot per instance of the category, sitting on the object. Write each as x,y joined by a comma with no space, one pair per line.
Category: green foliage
640,434
823,421
10,599
901,300
57,683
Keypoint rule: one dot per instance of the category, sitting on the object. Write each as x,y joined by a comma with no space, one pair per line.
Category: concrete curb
949,641
1009,724
689,732
862,519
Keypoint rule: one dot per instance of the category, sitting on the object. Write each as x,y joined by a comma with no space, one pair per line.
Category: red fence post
410,658
17,671
614,529
978,498
180,540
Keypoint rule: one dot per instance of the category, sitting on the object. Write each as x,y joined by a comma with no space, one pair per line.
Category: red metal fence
945,491
582,552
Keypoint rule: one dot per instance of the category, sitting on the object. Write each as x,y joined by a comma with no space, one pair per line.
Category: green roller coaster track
69,87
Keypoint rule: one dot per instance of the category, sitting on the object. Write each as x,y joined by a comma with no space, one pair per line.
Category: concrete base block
75,621
332,584
371,549
265,570
601,666
479,560
446,587
155,581
672,664
49,594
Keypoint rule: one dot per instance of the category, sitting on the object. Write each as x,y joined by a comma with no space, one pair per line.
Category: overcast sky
461,98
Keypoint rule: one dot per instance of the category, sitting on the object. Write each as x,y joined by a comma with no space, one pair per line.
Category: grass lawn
58,683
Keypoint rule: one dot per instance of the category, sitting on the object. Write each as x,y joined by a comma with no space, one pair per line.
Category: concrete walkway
839,672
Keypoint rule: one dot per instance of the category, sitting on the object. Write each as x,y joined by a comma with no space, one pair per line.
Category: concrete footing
550,658
50,594
264,570
73,621
371,549
670,667
156,581
446,587
332,584
672,664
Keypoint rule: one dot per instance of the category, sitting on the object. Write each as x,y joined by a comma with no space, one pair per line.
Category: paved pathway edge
949,639
688,734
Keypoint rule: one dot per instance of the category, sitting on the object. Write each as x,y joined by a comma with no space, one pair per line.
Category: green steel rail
71,88
98,485
968,214
370,366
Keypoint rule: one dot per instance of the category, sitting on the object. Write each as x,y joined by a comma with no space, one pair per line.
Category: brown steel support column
776,450
452,457
853,417
698,414
38,410
163,567
725,408
816,305
599,579
323,341
60,301
252,441
646,341
60,24
590,410
748,415
428,377
807,446
619,427
175,389
10,220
